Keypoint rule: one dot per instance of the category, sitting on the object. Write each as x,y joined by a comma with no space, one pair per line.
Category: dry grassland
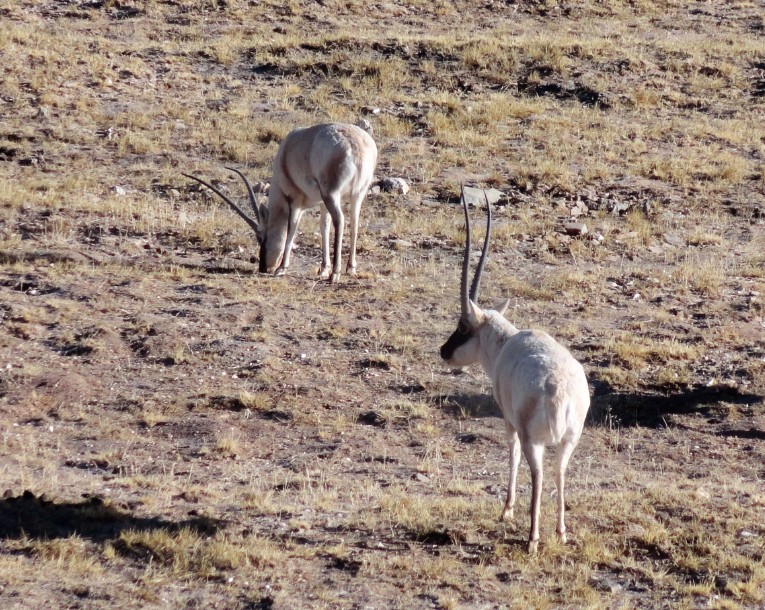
181,432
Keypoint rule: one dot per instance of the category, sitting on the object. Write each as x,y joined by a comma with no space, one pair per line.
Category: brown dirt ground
300,444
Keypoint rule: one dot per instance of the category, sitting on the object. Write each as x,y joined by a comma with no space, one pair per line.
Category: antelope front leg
295,215
515,460
324,270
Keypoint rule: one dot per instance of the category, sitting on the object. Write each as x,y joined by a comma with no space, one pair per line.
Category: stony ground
179,431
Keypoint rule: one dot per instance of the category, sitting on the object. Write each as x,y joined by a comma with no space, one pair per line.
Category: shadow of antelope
34,517
610,407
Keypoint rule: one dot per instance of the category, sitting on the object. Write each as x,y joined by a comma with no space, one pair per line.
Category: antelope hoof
280,271
334,278
351,270
507,514
562,537
324,273
533,547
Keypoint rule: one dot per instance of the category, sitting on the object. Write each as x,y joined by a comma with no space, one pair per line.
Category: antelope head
258,224
462,347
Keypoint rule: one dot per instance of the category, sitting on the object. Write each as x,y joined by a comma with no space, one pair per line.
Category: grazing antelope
541,389
322,165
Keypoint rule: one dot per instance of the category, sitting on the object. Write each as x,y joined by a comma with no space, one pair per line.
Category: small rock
401,244
276,415
119,191
478,197
575,228
589,195
673,240
620,207
467,438
372,418
578,210
605,584
421,478
370,110
261,187
746,534
216,104
397,185
365,125
107,133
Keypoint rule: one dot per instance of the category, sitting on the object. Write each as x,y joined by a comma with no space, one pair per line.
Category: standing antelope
541,389
323,165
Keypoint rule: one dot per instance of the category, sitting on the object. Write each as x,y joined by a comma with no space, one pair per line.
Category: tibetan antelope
541,389
324,165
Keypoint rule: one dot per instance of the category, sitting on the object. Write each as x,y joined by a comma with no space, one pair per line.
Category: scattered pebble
575,228
395,185
478,197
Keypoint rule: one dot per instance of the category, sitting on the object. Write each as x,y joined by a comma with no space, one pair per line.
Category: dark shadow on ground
650,408
35,517
610,407
470,405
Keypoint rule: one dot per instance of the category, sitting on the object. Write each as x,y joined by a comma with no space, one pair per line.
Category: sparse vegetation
179,431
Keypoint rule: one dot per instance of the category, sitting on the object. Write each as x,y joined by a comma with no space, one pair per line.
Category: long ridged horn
253,223
253,202
464,298
482,261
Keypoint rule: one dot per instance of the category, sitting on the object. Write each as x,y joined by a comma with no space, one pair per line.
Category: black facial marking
459,337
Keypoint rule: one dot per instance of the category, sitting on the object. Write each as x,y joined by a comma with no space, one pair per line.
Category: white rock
261,187
365,125
397,185
575,228
401,244
478,196
673,240
119,191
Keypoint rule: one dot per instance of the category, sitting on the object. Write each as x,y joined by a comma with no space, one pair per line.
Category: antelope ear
476,317
501,307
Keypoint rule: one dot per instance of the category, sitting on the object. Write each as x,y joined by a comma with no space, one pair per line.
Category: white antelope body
324,165
539,386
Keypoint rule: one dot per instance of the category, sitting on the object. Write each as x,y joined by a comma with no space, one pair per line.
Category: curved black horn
253,224
482,261
253,202
466,259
